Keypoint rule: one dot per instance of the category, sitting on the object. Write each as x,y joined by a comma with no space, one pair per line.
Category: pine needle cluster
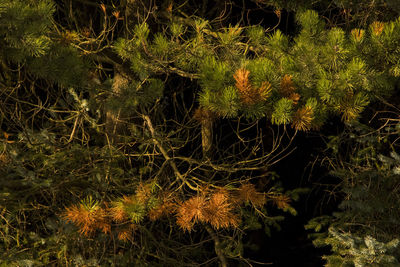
249,94
118,212
89,216
247,193
284,109
353,106
126,233
357,34
288,90
191,211
166,205
218,207
163,209
281,201
302,119
219,212
377,27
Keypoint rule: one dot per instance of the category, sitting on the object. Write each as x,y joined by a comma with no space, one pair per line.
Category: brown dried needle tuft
248,193
377,27
281,201
288,89
301,120
190,212
88,220
248,94
219,211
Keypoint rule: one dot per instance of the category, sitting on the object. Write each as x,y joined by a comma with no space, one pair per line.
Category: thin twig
165,154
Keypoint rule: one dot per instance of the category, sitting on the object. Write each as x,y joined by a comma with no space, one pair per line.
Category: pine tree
115,117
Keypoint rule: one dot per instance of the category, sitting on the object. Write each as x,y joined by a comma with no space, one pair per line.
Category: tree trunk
207,134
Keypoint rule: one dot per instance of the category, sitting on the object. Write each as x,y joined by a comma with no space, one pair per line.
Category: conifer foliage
248,94
364,232
137,133
218,207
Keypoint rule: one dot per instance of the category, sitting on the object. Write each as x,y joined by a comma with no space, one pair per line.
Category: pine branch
165,154
217,246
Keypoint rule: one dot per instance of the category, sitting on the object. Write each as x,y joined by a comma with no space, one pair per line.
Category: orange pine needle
302,119
294,97
248,94
87,220
265,90
219,211
357,34
248,193
281,201
169,8
116,14
287,86
191,211
4,159
377,27
161,210
143,192
118,214
288,89
125,234
243,85
103,7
